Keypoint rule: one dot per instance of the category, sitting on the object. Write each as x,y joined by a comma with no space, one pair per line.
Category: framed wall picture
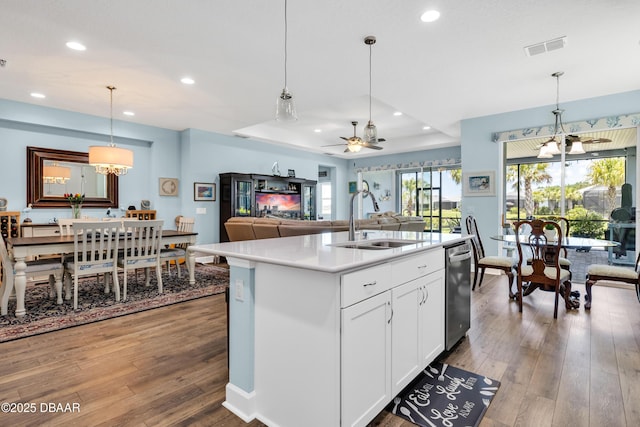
479,183
169,187
204,192
353,187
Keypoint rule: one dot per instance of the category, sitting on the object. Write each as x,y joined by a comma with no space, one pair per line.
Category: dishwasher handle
459,256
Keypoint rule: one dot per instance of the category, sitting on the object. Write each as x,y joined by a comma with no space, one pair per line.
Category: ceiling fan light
354,148
577,148
552,147
544,152
286,107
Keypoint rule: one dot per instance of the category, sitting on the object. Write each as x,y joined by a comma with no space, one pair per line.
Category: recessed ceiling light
317,130
187,80
38,95
128,113
426,127
397,113
76,46
430,16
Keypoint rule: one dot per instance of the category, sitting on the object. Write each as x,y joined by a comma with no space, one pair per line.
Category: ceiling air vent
548,46
322,174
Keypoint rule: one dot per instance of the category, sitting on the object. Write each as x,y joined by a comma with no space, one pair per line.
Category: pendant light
55,174
370,130
550,147
110,159
285,107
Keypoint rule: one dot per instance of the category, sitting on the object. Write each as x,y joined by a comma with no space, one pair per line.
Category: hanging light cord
111,89
285,43
370,83
558,112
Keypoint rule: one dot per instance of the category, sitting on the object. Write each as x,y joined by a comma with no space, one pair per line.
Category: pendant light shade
285,107
55,174
109,159
370,130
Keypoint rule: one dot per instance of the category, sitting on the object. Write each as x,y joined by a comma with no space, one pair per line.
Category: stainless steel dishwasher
457,292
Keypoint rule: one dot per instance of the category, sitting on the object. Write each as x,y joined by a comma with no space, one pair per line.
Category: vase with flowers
76,201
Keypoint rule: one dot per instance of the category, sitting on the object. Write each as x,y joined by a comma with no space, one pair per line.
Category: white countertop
314,251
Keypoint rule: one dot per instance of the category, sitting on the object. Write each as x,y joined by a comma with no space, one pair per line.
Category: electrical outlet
239,290
201,211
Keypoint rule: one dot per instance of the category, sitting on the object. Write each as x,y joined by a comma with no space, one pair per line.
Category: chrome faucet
352,226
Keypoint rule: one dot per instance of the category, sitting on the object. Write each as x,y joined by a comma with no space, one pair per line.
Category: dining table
567,242
31,247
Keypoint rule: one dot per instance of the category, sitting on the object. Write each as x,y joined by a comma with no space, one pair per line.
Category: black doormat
445,396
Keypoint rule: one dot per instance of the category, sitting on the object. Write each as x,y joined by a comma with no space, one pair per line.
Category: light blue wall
480,153
190,155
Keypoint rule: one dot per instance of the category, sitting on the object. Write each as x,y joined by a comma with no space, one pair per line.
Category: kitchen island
325,332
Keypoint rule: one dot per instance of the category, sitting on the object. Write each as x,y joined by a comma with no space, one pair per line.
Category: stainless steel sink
376,244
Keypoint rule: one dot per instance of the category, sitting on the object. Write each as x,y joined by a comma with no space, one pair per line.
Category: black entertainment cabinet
243,194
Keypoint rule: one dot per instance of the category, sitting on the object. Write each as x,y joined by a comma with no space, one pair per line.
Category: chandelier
109,159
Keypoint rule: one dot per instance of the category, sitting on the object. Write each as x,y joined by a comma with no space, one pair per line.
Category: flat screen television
282,205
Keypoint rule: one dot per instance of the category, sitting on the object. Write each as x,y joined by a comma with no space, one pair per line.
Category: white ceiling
469,63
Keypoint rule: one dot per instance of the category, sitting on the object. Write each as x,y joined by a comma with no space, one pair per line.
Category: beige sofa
250,228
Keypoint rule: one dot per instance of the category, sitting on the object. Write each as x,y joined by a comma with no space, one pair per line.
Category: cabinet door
431,325
405,350
366,359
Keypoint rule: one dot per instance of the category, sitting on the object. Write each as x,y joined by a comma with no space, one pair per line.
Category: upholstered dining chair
178,253
142,241
598,272
482,261
95,251
51,267
538,260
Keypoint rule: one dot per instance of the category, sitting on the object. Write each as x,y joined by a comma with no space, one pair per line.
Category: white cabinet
417,327
366,356
431,324
388,338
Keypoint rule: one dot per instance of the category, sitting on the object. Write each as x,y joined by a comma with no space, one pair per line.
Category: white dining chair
141,249
178,253
51,267
95,251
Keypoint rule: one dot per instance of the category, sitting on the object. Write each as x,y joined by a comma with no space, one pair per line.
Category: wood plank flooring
168,366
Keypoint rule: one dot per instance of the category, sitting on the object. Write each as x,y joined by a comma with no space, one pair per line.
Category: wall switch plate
201,211
239,290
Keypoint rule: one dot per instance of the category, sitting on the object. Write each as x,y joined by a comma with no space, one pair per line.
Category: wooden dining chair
482,261
564,224
95,251
178,253
598,272
142,241
49,267
538,261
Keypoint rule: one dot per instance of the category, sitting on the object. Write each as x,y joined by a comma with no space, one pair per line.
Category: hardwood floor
168,366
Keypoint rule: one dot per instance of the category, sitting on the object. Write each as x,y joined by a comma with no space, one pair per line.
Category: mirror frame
35,188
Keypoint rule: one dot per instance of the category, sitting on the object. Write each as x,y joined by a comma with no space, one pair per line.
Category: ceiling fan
586,140
355,143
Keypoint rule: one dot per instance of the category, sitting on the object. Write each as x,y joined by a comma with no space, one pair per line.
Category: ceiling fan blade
372,146
596,141
346,150
333,145
381,140
346,139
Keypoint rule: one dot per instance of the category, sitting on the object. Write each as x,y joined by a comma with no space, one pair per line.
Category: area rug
445,396
44,315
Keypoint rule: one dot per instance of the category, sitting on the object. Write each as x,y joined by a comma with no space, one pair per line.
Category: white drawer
407,269
46,231
366,283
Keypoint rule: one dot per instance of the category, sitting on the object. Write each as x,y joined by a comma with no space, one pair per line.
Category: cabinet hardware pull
420,267
426,292
424,295
389,304
371,284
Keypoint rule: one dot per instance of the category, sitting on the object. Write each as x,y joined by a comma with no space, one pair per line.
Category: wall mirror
73,175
